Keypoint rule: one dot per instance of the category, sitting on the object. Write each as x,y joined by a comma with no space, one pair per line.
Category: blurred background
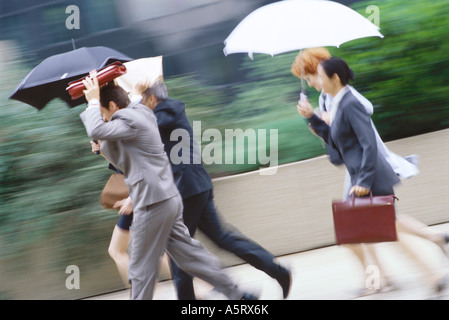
50,181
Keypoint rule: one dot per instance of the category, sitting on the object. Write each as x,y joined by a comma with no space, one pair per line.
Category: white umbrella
298,24
289,25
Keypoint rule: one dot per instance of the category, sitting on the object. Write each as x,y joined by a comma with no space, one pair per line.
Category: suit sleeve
165,118
360,123
323,130
120,128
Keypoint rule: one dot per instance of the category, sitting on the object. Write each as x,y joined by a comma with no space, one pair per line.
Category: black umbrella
49,79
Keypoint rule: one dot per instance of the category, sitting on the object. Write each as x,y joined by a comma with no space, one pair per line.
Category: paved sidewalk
331,273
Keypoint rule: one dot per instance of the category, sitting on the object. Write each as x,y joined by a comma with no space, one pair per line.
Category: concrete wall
290,211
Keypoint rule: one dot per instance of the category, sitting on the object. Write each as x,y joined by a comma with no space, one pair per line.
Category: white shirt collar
336,102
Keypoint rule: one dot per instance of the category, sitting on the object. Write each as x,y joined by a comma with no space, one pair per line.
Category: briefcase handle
371,198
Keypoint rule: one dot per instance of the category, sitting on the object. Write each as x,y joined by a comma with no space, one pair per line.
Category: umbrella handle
96,141
303,89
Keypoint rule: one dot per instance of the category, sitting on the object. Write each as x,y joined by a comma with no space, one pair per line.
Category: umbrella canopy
297,24
147,70
49,79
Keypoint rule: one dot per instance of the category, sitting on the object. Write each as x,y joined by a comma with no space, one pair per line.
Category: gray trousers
158,228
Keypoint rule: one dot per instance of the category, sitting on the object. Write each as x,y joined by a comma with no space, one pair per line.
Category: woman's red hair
309,59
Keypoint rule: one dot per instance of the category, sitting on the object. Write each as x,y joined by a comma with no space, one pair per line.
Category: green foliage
266,100
49,189
406,73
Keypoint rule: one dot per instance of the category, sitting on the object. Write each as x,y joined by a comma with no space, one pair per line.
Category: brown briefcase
365,219
114,190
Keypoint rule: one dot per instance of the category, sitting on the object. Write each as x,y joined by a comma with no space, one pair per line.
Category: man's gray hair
158,89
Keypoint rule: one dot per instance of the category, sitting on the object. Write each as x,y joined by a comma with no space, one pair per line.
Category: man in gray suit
133,145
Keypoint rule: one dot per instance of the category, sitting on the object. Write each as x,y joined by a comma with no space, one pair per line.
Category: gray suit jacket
352,135
132,143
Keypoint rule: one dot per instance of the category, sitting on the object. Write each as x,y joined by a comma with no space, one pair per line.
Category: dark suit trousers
199,212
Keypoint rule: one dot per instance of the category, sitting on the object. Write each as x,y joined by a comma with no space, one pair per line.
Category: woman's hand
125,205
359,191
326,117
305,109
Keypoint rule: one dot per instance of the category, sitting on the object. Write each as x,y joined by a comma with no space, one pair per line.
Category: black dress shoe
285,281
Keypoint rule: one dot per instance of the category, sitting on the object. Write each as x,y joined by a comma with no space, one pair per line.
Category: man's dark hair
114,93
338,66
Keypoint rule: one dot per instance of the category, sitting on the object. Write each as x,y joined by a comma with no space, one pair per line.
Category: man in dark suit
196,190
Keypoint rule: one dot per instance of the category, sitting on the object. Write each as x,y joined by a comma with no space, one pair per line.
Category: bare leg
362,252
357,249
359,252
410,225
118,251
436,276
384,279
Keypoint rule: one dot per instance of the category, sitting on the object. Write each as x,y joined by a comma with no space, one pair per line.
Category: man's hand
95,146
359,191
140,87
125,205
92,88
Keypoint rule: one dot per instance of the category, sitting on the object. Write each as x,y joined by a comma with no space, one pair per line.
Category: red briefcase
108,73
365,219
